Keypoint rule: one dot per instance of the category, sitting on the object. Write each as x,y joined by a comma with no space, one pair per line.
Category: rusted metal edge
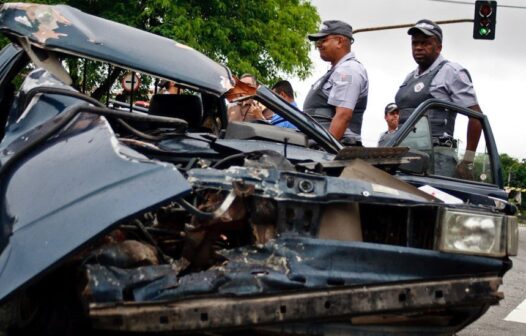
231,312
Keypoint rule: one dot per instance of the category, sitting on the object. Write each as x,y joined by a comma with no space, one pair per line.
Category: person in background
169,87
339,98
248,109
249,79
284,89
436,77
391,116
277,120
251,110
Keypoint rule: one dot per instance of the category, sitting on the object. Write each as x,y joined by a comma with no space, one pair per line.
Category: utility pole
407,25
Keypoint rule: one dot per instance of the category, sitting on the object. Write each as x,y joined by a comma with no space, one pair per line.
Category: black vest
413,92
317,106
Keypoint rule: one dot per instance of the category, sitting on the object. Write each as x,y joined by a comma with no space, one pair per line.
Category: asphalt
514,289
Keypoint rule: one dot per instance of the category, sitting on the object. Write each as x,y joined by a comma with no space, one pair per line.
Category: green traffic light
483,31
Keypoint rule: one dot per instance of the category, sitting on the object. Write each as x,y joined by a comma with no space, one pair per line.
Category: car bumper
436,307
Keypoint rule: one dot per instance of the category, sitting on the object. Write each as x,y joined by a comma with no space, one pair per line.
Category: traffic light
485,20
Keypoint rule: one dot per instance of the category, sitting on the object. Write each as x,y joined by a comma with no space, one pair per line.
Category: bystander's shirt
278,120
385,136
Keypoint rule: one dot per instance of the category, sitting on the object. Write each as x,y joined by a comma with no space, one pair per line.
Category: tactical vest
413,92
317,106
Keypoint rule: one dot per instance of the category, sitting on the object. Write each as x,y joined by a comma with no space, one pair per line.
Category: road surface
509,318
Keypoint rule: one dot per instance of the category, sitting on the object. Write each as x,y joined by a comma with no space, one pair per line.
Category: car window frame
494,159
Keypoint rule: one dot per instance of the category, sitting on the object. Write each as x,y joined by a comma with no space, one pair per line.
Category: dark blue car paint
8,57
288,263
71,190
76,32
477,193
292,152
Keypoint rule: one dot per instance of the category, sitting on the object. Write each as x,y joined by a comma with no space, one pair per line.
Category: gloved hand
464,170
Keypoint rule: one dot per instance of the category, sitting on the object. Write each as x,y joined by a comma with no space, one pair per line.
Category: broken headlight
477,233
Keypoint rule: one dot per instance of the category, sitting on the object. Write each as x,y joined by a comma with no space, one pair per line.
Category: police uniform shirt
452,83
347,83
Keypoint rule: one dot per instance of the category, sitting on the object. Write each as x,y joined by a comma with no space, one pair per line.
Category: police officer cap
332,27
427,27
391,107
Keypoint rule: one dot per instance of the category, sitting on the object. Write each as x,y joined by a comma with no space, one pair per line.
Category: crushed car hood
68,30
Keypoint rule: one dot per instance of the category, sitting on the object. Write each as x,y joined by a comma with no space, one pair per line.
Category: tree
514,174
264,37
514,171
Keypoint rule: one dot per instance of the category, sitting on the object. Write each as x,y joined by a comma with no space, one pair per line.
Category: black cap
332,27
428,28
391,107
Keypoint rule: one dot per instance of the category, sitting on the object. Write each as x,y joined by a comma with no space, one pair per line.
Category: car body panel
477,192
291,151
293,313
71,31
287,263
50,197
8,58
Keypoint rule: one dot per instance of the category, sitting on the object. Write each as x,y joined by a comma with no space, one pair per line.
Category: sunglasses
319,42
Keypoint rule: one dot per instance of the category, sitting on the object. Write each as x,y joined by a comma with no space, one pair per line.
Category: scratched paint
45,19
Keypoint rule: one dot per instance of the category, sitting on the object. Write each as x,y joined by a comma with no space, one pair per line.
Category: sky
497,67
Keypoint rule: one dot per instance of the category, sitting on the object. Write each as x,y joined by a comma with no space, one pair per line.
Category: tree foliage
515,175
264,37
514,171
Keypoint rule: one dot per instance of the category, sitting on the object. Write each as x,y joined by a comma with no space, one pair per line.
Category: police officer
436,77
391,116
339,98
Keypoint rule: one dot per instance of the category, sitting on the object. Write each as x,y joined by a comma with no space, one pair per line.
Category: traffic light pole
363,30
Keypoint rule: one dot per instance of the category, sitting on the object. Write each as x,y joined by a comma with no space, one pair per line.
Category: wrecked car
173,219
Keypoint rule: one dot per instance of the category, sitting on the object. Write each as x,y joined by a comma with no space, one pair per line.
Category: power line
472,3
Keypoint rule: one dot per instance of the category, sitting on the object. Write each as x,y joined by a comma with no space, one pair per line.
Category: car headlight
477,233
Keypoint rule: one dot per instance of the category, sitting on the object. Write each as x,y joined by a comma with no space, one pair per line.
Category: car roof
68,30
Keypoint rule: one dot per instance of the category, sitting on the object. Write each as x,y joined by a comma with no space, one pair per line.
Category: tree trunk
105,86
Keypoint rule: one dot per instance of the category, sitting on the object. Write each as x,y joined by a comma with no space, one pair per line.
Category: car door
470,175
